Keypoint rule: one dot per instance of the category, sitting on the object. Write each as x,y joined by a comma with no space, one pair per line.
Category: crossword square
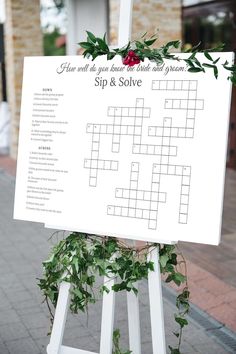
170,85
93,181
126,193
185,85
154,205
110,129
125,111
171,169
176,104
151,131
199,104
166,131
185,190
152,224
124,211
174,132
190,123
178,170
117,111
131,212
110,210
139,112
116,139
140,195
132,112
111,111
93,172
183,218
151,149
155,85
114,165
95,146
155,187
134,176
165,150
132,203
159,131
135,166
147,195
166,141
192,104
133,185
96,138
164,160
133,194
89,128
168,104
146,112
183,209
139,213
103,129
118,210
193,85
164,169
137,130
119,193
100,164
189,133
183,104
178,85
173,150
145,214
139,102
186,171
86,163
116,129
144,149
186,180
163,85
162,197
107,165
181,133
191,113
184,199
130,129
115,147
124,129
94,164
136,149
192,95
96,128
154,196
138,122
167,122
157,149
156,168
153,214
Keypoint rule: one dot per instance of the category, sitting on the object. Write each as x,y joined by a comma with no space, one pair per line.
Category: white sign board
136,152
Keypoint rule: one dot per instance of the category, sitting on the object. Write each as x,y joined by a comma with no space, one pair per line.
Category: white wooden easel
154,280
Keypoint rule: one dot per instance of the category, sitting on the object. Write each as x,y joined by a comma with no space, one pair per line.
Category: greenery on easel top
95,46
80,258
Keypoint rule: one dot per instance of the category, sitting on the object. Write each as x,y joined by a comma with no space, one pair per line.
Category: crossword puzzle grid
143,203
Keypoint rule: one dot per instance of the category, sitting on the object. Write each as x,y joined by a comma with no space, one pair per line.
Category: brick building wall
150,15
23,37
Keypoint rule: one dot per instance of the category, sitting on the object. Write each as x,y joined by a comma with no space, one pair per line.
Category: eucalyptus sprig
80,258
96,46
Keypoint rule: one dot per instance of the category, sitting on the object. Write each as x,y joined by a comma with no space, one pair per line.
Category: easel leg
108,307
134,322
59,319
156,305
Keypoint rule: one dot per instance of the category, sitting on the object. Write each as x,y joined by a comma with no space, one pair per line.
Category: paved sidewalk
24,320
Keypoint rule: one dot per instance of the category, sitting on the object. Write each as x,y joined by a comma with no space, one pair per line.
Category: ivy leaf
174,350
181,321
163,260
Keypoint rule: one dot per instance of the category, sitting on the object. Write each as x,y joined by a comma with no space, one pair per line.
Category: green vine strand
80,258
95,46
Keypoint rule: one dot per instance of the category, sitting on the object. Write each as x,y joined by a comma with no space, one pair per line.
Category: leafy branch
95,46
79,258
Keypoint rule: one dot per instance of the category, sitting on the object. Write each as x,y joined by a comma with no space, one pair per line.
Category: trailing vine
80,258
141,49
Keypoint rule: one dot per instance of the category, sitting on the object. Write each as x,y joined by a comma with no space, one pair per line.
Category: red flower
131,58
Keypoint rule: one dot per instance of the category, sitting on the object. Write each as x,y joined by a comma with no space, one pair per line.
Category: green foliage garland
80,258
